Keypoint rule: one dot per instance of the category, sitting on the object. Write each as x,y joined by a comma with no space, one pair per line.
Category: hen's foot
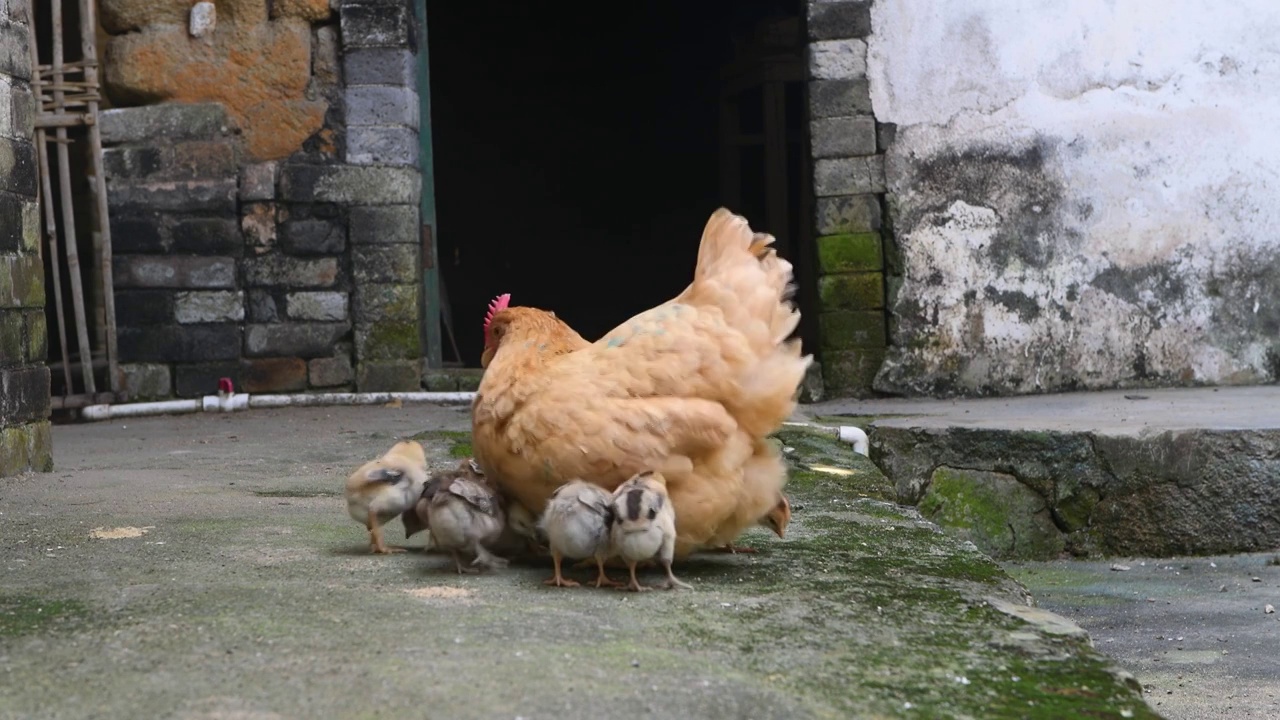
735,549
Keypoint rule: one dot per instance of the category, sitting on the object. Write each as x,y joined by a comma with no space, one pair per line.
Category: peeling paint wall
1082,193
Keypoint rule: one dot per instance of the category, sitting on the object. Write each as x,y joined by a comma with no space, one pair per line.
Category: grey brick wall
25,442
295,274
847,146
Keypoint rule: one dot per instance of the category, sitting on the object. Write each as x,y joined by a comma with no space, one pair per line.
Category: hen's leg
558,580
602,579
375,538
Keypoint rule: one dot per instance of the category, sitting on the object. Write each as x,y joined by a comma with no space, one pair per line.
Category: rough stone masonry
265,214
25,442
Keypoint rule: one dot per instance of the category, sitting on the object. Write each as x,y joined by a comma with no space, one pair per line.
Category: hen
690,389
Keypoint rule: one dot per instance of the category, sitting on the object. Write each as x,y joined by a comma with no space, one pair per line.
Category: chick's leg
634,585
602,579
667,554
486,558
559,580
375,538
462,569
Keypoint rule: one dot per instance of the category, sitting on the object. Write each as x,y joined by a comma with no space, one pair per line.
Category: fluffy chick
644,526
576,523
465,514
381,489
415,518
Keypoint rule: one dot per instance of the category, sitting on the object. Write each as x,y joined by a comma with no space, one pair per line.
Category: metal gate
65,83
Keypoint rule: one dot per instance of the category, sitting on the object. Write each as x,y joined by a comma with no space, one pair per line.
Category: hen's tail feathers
742,275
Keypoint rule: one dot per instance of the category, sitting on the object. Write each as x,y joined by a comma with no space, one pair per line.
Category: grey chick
416,518
644,526
576,523
465,514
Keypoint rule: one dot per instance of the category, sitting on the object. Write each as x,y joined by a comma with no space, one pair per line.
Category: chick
576,523
381,489
644,526
415,518
465,514
777,519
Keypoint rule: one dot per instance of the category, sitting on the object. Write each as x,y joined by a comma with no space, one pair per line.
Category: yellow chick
382,489
644,527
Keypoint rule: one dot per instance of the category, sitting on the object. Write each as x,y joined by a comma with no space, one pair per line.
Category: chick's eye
653,513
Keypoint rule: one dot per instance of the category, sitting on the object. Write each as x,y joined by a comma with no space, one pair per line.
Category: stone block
437,380
381,105
258,181
151,271
331,372
851,329
273,374
21,281
26,394
120,16
145,381
853,252
382,145
388,340
812,387
374,303
313,237
843,136
290,272
838,59
7,128
180,343
137,235
208,236
836,20
384,224
18,157
259,227
837,98
850,373
207,307
15,50
139,308
37,331
366,25
31,226
23,110
380,66
134,162
13,345
200,379
848,176
329,306
304,340
262,307
12,231
351,185
309,10
847,214
26,447
851,291
167,122
1003,517
403,376
204,159
885,134
212,197
325,66
385,263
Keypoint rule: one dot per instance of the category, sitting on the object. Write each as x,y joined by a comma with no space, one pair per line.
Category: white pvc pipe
845,433
243,401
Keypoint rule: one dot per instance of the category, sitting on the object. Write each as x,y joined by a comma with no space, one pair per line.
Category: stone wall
25,442
265,197
847,146
1082,193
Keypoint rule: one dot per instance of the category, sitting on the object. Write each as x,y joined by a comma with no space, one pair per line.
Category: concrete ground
203,566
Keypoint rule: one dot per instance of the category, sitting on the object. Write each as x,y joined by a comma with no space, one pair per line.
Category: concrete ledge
1149,472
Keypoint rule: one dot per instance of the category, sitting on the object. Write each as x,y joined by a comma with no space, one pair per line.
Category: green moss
849,329
458,443
850,252
26,615
851,291
391,341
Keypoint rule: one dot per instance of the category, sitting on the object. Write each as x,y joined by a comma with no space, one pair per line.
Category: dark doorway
577,154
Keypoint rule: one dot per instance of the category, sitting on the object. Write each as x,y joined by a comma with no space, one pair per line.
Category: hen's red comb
499,303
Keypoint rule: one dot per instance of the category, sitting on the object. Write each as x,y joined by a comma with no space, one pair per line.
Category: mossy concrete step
232,583
1139,472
